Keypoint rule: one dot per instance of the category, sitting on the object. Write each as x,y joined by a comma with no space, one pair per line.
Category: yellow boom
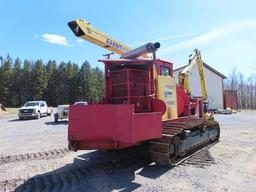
84,30
195,59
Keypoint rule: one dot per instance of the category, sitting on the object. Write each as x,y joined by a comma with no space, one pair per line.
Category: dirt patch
2,110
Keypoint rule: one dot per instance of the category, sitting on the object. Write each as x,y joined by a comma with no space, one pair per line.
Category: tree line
56,83
67,82
246,89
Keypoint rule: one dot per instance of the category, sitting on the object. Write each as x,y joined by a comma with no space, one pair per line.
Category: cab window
165,71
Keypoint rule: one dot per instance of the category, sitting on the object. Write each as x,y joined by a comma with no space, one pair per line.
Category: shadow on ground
63,122
28,119
98,171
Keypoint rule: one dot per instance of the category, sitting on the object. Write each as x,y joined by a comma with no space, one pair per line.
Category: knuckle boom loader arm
195,59
142,103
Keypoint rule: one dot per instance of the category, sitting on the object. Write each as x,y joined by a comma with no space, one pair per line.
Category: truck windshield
29,104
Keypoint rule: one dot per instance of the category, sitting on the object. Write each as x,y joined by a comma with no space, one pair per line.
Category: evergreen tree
74,96
84,82
26,79
69,85
17,82
6,82
51,74
39,79
96,85
1,78
61,83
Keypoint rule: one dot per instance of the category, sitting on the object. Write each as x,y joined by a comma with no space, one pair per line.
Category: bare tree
246,89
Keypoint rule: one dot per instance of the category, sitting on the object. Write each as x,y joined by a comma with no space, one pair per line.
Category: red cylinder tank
183,101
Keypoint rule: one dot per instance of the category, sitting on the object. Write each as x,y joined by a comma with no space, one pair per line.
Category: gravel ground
226,166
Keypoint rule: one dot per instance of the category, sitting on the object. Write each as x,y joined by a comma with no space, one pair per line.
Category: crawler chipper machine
142,103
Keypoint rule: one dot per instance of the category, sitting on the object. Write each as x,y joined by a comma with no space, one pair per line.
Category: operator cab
164,68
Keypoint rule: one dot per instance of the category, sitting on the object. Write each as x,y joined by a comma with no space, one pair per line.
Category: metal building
230,99
214,84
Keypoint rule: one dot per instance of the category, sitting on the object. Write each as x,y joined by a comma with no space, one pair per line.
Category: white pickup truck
34,109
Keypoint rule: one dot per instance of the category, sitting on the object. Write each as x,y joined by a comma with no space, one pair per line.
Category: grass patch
10,111
248,110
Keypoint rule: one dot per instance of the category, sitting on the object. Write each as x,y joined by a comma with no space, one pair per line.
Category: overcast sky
224,31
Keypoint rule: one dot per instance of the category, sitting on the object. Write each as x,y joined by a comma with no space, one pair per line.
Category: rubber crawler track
52,154
159,148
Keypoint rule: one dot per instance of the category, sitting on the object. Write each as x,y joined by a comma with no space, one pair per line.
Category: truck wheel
49,114
38,115
56,118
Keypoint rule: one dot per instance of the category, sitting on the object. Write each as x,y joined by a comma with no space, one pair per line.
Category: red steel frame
115,126
119,125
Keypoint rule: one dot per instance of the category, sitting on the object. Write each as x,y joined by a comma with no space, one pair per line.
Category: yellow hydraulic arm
195,59
84,30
